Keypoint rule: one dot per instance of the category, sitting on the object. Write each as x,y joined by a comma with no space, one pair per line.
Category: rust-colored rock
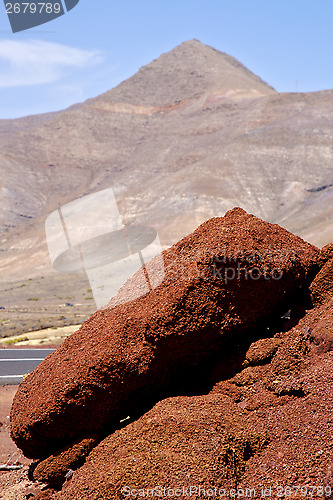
223,279
182,442
328,481
325,254
301,430
54,469
249,435
44,495
317,328
321,288
261,352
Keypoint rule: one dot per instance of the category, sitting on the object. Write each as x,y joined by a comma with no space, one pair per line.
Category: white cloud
36,62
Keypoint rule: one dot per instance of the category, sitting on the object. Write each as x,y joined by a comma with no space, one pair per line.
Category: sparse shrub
15,341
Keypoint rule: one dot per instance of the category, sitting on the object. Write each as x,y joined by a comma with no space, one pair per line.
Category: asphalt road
14,363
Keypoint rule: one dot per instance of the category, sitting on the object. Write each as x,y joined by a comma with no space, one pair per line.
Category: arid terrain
191,135
207,383
204,381
36,303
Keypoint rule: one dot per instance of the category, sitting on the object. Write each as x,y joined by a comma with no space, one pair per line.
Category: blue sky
99,43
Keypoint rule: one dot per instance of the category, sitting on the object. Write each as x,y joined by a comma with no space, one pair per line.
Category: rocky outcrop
182,443
321,288
57,468
220,282
317,328
325,254
261,352
247,433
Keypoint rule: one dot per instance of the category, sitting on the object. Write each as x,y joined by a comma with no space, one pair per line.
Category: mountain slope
189,70
190,136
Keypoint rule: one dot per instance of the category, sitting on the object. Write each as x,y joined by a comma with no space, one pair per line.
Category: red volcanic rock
321,288
181,443
55,468
261,352
44,495
270,425
220,281
325,254
299,423
317,328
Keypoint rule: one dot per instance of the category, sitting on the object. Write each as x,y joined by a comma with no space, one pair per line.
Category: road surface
14,363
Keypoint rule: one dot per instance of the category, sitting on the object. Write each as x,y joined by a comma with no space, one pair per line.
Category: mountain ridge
171,164
199,64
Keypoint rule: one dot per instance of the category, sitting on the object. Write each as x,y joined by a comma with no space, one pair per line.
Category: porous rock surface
317,327
321,288
325,254
181,442
223,279
269,427
54,469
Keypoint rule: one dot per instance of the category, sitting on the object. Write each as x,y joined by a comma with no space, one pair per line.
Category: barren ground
14,485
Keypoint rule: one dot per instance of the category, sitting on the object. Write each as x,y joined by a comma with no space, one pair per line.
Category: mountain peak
189,70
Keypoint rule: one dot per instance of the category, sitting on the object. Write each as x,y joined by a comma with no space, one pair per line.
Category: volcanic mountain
191,135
